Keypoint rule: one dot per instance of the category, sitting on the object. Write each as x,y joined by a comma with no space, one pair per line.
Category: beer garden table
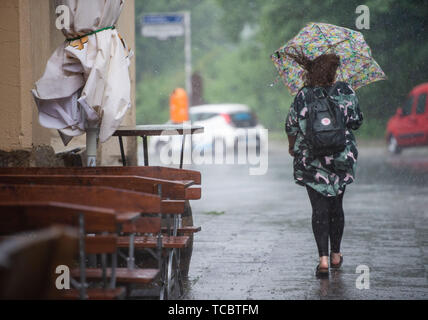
145,131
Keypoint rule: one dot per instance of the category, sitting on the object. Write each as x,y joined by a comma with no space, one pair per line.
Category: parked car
409,126
226,124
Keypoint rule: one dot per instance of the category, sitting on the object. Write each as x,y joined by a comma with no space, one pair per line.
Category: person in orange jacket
179,106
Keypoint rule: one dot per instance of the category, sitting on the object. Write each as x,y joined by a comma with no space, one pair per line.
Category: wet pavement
257,242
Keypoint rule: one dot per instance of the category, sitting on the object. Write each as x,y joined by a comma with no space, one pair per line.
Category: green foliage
157,57
160,64
237,68
153,93
244,75
397,37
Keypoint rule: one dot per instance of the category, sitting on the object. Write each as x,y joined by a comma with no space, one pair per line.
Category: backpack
325,126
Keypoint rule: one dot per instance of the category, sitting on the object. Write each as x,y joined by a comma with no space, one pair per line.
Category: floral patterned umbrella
357,66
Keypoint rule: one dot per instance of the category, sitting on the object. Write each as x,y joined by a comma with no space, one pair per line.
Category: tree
238,69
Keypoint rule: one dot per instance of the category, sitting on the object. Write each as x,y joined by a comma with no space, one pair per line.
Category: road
257,243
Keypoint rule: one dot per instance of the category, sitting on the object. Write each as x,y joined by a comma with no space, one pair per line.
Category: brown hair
320,72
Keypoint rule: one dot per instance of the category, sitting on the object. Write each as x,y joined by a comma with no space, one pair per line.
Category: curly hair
320,72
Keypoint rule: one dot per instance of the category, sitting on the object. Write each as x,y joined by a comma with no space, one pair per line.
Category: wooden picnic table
145,131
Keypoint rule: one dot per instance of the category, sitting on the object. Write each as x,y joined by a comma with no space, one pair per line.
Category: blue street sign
162,25
157,19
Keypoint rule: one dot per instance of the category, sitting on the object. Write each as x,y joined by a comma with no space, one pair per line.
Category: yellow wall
15,113
28,38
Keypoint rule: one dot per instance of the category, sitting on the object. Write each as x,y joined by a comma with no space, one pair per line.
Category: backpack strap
309,94
321,93
317,93
334,87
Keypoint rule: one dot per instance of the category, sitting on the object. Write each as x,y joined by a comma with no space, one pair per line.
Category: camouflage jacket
328,175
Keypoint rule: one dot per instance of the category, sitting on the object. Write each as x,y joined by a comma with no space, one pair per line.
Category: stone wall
41,156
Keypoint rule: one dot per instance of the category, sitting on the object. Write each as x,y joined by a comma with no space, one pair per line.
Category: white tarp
86,79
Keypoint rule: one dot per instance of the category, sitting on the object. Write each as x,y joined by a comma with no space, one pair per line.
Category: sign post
176,24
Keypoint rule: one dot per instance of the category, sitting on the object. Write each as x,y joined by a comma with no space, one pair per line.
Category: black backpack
325,126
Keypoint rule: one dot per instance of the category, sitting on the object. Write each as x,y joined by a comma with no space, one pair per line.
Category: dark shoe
321,272
338,265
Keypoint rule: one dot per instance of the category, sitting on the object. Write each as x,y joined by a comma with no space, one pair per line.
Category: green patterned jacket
328,175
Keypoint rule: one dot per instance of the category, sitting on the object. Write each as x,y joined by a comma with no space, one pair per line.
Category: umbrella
357,66
86,85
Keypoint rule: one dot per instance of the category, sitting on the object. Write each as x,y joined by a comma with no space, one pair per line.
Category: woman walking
329,64
324,176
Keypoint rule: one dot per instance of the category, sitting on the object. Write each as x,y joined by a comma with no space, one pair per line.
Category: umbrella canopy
86,82
357,66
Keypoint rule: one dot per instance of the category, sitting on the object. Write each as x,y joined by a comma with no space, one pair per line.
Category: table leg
122,152
146,153
182,151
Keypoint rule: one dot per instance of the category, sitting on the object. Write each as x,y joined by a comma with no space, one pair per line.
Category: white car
232,125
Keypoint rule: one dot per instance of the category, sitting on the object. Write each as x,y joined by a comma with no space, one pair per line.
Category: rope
90,33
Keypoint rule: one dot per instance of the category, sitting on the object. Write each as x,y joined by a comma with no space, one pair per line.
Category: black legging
327,220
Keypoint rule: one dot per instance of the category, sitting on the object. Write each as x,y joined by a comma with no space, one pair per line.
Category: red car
409,126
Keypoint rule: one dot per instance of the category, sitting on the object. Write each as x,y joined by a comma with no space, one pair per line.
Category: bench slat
25,216
170,189
122,201
100,244
186,229
95,294
123,275
153,172
173,206
143,225
168,242
192,194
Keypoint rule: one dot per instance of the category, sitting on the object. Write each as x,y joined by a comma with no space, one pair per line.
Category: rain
207,149
262,246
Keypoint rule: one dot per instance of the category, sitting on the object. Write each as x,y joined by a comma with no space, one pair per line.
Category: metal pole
188,54
131,259
182,150
122,151
91,146
146,152
82,257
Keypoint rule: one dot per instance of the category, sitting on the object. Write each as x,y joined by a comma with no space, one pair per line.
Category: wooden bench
174,190
35,214
161,173
173,245
170,189
125,203
132,183
28,264
121,201
189,178
29,216
132,276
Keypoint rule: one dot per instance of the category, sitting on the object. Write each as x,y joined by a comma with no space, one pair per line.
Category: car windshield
241,119
200,116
